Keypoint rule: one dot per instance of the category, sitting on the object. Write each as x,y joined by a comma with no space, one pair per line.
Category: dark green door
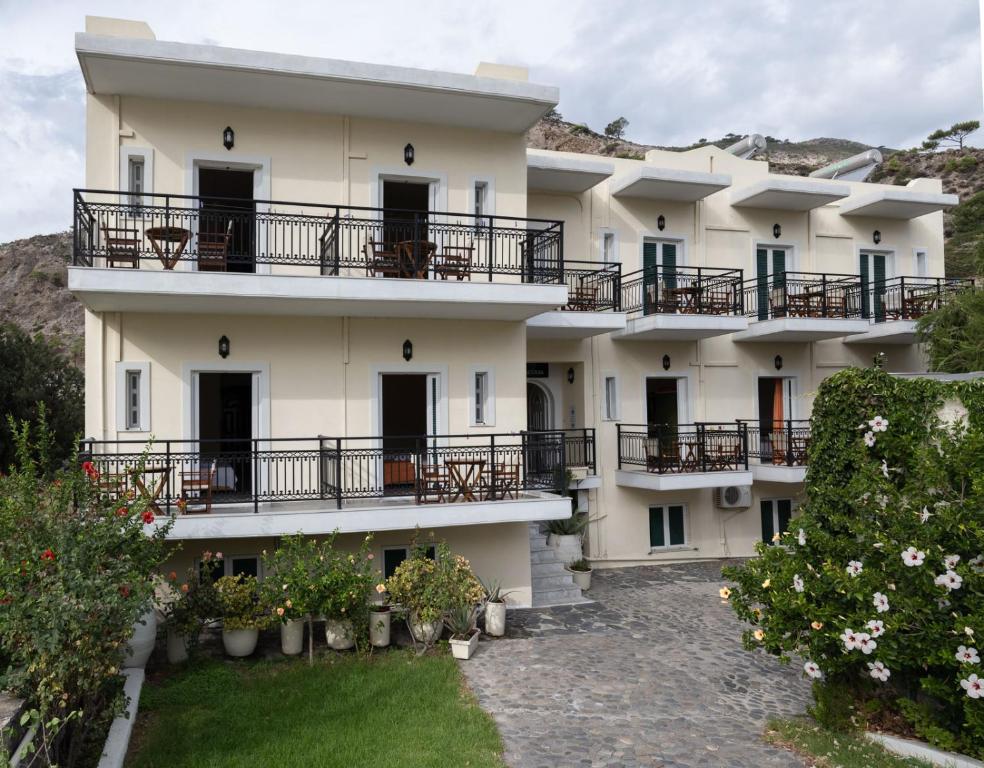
778,273
775,512
659,261
872,272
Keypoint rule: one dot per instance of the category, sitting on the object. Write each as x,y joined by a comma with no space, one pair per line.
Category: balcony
245,488
894,306
660,457
777,450
182,253
594,297
802,306
681,303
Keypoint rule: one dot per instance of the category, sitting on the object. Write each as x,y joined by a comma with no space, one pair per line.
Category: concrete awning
784,194
552,172
651,183
896,203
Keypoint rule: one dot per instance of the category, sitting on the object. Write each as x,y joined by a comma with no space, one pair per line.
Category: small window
667,526
481,395
234,565
133,399
393,556
481,202
611,398
133,396
922,269
776,514
481,398
608,247
135,176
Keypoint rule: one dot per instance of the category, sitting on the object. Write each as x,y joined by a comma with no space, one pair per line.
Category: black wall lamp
876,236
570,375
776,231
407,350
224,347
661,222
778,362
666,362
408,154
228,138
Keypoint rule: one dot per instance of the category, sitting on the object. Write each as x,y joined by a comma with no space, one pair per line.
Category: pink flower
974,687
280,611
218,555
370,556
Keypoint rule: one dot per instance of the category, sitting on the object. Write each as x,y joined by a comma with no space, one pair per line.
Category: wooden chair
112,487
201,482
716,300
434,485
455,260
213,250
506,482
837,302
582,298
122,246
381,259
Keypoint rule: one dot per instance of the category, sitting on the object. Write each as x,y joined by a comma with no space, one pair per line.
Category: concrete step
553,581
548,597
545,556
547,569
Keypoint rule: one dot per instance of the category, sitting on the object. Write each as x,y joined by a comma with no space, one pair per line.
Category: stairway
552,584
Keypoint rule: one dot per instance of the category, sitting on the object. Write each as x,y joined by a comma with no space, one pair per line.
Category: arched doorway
539,410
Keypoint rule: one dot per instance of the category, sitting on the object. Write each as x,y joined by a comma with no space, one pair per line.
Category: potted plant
495,609
187,606
565,536
464,634
379,620
243,613
289,588
343,590
580,570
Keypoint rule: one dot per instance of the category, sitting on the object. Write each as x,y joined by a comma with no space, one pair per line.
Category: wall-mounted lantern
228,138
666,362
407,350
876,236
661,222
778,362
776,231
408,154
570,375
224,347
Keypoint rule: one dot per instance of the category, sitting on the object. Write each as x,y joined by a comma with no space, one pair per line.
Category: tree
33,371
616,128
952,136
954,334
553,115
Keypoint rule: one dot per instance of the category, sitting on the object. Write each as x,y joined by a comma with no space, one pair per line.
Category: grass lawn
828,749
390,710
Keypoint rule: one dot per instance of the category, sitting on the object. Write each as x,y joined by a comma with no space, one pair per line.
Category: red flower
90,469
172,576
125,590
147,517
121,511
48,554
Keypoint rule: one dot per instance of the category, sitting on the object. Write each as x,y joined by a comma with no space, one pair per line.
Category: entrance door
404,426
405,204
776,514
775,402
538,416
228,207
872,269
663,402
659,276
225,422
774,262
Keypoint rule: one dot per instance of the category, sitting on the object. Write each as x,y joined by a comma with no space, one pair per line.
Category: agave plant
460,620
569,526
493,591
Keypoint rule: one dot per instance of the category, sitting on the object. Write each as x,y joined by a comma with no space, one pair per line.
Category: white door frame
793,392
684,395
437,183
376,374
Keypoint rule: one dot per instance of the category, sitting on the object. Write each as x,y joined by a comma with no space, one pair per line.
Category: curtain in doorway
779,435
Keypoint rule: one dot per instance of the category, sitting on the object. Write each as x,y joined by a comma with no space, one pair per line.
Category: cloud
886,72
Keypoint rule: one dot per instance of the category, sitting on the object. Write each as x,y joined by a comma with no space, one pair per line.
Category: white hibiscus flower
878,424
812,669
798,583
879,671
882,500
950,562
880,601
967,655
976,564
913,557
850,639
869,439
951,580
974,687
942,603
801,540
925,515
865,644
854,568
884,468
877,627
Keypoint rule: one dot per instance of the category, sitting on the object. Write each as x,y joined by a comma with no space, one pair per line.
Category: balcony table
465,477
152,494
161,235
686,297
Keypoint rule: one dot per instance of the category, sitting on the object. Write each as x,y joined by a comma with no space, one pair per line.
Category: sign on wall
537,370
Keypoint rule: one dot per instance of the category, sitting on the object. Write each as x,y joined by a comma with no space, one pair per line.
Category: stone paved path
652,674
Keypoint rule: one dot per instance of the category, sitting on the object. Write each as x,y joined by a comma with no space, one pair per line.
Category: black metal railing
112,228
593,286
784,443
683,290
430,469
803,294
909,298
684,448
579,447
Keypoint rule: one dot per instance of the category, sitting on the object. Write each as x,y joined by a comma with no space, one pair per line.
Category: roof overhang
562,173
782,194
209,73
897,203
651,183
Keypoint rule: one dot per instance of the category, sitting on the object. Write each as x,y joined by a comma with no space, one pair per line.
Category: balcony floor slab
682,481
771,473
573,325
801,329
682,327
888,332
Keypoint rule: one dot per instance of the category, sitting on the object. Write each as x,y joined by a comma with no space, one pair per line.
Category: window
232,565
136,175
922,269
393,556
133,399
133,396
776,514
608,247
611,398
482,397
667,526
481,393
481,203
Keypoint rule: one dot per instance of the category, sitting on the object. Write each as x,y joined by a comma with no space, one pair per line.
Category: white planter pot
292,637
426,632
581,578
339,634
177,647
379,628
240,642
141,643
464,649
495,619
568,547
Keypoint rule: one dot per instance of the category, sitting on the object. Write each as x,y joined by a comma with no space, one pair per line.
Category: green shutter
650,277
762,272
878,270
656,538
669,264
677,535
767,529
785,509
863,269
778,268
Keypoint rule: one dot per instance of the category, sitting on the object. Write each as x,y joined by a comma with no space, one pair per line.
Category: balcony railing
335,470
909,298
228,235
579,448
593,286
803,294
780,443
683,290
686,448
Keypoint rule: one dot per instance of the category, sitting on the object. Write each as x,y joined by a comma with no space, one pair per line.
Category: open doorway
775,403
409,415
225,429
406,204
663,402
228,208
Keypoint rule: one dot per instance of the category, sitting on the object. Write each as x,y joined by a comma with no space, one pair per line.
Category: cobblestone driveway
652,674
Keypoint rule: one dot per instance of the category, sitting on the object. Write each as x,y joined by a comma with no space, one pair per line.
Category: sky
884,72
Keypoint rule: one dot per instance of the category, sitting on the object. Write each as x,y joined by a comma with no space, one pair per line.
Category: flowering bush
189,604
430,588
292,577
75,574
241,604
343,583
879,586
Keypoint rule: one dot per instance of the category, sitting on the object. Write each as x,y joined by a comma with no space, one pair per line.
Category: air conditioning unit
733,497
